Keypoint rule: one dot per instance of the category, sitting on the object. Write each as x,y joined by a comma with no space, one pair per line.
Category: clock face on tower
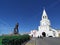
45,22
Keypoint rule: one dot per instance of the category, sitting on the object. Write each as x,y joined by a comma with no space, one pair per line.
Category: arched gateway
43,34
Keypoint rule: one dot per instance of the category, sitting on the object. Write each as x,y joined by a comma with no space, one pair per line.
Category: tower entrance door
43,34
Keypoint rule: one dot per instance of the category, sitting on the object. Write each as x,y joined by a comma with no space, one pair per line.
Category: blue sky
28,14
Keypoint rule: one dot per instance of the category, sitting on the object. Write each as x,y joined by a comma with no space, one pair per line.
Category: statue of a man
16,29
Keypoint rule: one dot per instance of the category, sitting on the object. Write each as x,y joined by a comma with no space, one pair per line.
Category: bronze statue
16,29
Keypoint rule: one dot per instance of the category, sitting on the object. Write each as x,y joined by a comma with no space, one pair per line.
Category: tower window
43,16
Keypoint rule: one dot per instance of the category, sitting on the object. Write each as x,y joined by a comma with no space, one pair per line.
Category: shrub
15,40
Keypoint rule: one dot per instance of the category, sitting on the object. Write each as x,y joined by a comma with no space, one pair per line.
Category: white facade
45,28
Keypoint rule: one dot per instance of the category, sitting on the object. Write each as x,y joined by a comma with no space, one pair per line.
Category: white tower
45,21
44,24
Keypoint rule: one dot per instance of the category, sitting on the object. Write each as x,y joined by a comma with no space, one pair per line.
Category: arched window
43,17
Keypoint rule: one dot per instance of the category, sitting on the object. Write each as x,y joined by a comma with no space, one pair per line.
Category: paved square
48,41
44,41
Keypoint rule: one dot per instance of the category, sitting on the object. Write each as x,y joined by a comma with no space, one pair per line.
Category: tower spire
44,15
